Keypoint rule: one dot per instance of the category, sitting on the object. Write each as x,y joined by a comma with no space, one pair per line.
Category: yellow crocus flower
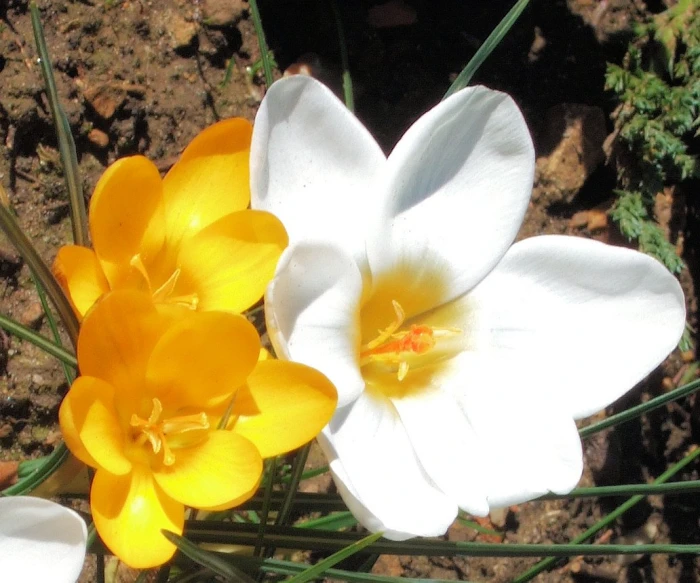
146,410
188,239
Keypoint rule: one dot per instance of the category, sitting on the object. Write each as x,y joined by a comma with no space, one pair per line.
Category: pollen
182,430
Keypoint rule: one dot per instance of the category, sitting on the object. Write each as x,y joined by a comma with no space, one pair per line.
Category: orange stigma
397,348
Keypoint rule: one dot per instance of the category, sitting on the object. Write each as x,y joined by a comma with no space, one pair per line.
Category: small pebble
98,138
32,315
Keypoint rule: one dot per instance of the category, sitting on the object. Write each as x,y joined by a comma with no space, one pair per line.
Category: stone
182,32
105,99
32,315
391,14
223,13
98,138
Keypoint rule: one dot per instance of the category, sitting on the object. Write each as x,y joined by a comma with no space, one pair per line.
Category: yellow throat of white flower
400,352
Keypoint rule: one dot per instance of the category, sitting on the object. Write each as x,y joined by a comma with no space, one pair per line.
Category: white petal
459,184
312,311
314,165
446,445
530,446
379,473
588,320
40,541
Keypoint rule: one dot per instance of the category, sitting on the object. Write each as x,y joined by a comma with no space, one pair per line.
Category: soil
145,76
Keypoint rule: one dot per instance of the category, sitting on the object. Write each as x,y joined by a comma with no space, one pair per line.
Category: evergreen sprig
657,121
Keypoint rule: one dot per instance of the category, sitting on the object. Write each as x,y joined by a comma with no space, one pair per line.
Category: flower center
403,349
180,431
165,294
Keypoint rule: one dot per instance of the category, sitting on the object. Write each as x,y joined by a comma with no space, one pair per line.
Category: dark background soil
145,76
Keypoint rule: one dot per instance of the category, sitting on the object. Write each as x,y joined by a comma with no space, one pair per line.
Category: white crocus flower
461,359
40,540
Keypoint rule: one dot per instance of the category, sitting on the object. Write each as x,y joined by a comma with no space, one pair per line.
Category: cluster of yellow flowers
177,403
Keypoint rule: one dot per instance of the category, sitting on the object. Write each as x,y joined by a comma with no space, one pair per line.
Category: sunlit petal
311,155
312,311
554,301
383,471
202,358
529,446
225,468
80,274
117,337
89,424
229,263
129,512
126,215
283,406
210,180
460,181
446,445
40,540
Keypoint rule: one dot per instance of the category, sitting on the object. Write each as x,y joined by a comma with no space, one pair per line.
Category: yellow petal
229,264
117,337
129,513
126,215
80,274
90,425
218,472
211,179
283,406
203,358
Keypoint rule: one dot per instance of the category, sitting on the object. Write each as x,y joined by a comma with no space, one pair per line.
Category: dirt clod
570,149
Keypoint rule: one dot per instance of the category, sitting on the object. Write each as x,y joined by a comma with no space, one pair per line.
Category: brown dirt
145,76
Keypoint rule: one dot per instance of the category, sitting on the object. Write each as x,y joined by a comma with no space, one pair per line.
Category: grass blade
685,487
211,561
262,42
66,145
289,568
321,567
292,487
17,329
42,473
619,511
344,61
487,48
334,521
641,409
307,539
36,264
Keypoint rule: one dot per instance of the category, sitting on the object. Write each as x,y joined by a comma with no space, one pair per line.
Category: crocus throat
184,430
165,293
401,349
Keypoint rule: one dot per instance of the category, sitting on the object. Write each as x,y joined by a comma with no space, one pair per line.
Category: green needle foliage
658,89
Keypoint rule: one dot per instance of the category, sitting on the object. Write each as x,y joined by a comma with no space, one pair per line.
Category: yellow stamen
164,294
158,432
